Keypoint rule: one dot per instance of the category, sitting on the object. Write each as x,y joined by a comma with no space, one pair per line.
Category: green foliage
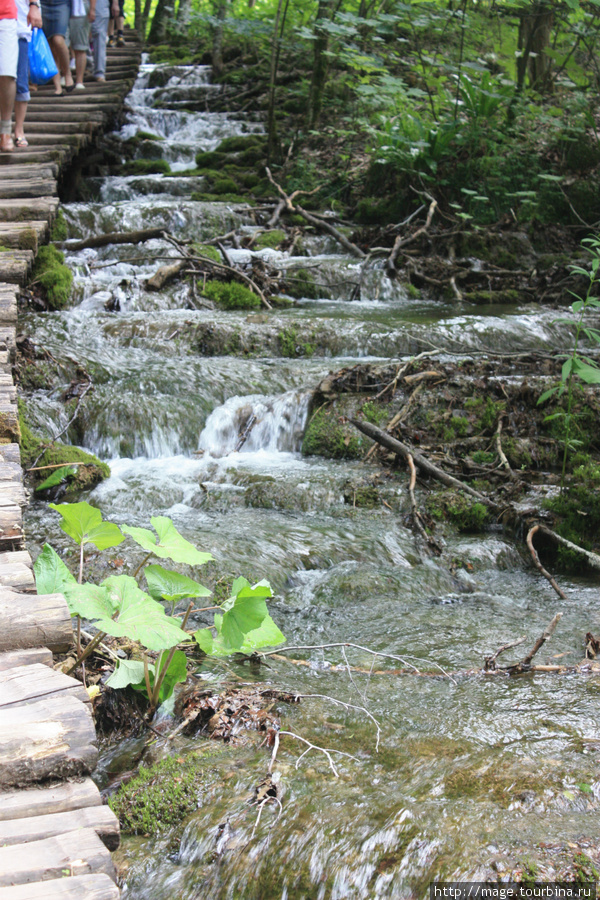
331,436
55,279
376,413
147,167
231,295
51,574
160,797
164,584
170,544
59,230
85,525
577,367
57,477
120,608
171,670
270,239
206,250
244,626
291,347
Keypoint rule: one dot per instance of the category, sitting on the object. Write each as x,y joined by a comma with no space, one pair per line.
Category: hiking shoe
120,41
111,41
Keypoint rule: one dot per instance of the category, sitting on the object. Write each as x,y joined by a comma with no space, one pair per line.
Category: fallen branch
537,563
490,661
325,750
416,515
592,558
545,636
390,443
500,451
164,274
319,223
114,237
400,242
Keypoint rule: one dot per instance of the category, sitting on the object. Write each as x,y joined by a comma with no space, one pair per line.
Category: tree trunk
218,28
271,124
534,38
319,73
184,10
162,14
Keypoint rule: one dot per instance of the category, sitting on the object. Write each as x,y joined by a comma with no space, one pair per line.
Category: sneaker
79,86
110,42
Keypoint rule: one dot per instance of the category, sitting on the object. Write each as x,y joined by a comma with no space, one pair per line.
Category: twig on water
324,750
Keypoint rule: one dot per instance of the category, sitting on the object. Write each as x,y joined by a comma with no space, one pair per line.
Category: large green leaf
51,574
590,374
131,672
266,635
121,609
171,585
170,544
57,477
128,672
246,614
84,524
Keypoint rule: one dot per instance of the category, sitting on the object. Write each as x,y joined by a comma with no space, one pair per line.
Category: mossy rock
150,150
240,142
270,239
147,167
59,231
210,159
83,477
231,295
51,274
362,496
291,347
161,797
206,250
224,185
208,197
330,435
464,512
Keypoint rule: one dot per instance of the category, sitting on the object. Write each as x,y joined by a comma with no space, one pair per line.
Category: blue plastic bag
41,62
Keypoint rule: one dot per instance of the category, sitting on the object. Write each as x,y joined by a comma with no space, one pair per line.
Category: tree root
537,563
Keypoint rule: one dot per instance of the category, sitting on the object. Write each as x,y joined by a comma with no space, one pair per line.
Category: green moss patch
466,514
331,435
162,796
206,250
269,239
302,284
53,277
59,231
147,167
231,295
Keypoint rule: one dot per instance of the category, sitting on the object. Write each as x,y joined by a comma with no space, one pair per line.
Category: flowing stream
473,777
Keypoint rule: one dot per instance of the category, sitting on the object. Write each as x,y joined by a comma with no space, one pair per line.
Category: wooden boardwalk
55,834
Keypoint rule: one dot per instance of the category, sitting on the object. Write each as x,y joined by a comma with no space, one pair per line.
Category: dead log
31,620
390,443
114,237
157,281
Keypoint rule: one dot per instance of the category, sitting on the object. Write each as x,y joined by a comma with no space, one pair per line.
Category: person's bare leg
20,113
80,64
8,89
61,58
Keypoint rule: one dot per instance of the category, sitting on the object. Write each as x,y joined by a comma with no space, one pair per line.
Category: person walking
9,59
102,11
79,32
56,15
24,35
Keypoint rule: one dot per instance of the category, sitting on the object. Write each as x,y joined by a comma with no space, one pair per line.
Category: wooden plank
26,188
35,828
78,852
8,305
12,493
28,170
30,684
22,234
32,620
19,210
53,738
17,576
17,556
12,658
43,801
10,471
10,453
12,269
82,887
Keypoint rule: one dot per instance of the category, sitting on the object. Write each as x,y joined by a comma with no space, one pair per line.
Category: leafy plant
119,607
577,366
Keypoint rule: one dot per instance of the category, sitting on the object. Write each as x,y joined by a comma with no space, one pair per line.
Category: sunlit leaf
51,574
170,544
85,525
246,614
57,477
204,639
128,672
166,585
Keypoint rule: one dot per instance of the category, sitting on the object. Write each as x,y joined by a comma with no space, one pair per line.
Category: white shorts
9,47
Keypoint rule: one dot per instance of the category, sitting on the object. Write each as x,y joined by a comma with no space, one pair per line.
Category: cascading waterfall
470,773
